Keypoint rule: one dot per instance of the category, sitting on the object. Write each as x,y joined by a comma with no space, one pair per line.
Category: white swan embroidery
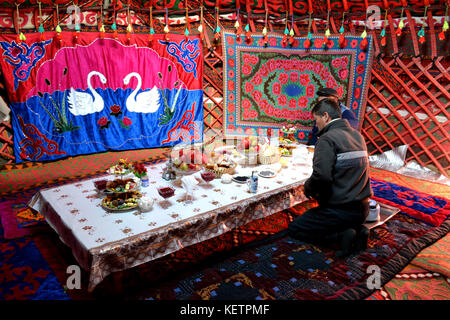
82,103
146,101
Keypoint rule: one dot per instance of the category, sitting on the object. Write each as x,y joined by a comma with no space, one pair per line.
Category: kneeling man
339,182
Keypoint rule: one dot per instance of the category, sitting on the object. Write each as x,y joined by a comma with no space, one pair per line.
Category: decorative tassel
150,35
200,27
114,27
129,31
341,31
247,32
399,29
166,30
364,42
102,31
421,32
217,33
307,42
41,30
383,37
58,32
341,40
21,37
166,27
291,36
441,35
188,27
237,25
58,28
265,39
383,32
327,35
421,35
152,31
77,32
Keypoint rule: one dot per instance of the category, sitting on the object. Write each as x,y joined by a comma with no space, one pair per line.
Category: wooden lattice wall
408,101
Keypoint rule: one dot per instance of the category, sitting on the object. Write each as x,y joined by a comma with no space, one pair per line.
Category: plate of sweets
121,169
121,186
120,202
286,151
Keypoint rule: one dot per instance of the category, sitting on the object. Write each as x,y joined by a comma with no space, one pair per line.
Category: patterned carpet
34,266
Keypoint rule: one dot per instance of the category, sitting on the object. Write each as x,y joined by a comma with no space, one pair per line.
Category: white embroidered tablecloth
105,242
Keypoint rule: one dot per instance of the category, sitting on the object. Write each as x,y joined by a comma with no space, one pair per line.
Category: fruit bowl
166,192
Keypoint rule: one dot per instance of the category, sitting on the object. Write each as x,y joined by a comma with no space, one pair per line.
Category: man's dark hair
327,105
327,92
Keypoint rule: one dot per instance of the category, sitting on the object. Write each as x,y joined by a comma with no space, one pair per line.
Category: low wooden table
104,242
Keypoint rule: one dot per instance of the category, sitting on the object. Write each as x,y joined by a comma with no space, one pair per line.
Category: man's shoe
347,243
361,239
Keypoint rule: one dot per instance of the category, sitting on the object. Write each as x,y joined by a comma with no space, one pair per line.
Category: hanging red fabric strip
393,34
345,4
432,33
310,7
375,42
413,32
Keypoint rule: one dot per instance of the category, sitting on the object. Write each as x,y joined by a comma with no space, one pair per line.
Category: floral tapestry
275,84
77,93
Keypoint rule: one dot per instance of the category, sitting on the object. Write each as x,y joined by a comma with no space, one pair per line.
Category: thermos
253,183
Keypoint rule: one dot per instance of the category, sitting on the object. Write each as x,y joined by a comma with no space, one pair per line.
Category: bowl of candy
100,185
208,176
166,192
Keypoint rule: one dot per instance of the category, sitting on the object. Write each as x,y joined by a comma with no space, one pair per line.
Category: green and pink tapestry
77,93
275,84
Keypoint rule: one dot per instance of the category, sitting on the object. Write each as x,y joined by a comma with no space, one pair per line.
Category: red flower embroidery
354,43
336,63
246,69
231,63
344,61
276,89
231,97
310,90
257,95
304,79
231,108
115,108
254,59
230,73
249,87
282,100
257,80
230,85
127,121
230,51
357,93
293,76
283,78
359,80
292,104
273,41
362,56
303,101
360,69
246,104
102,121
343,74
